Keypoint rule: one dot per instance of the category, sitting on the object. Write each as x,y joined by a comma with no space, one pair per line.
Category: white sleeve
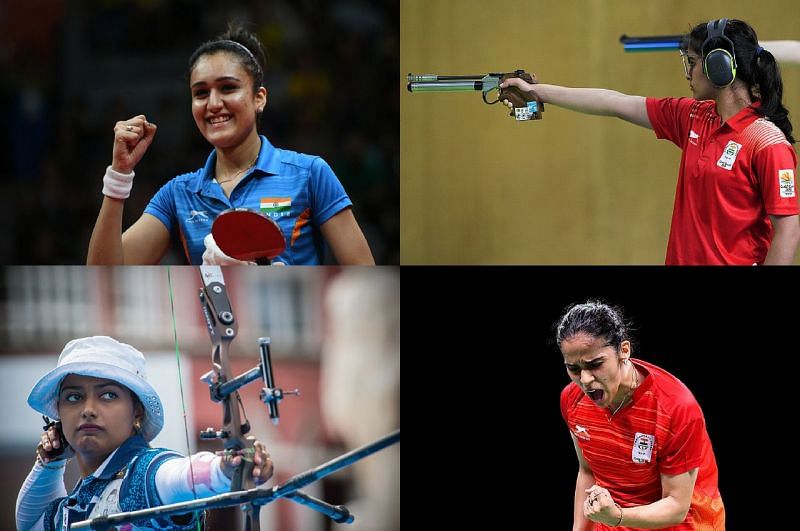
41,487
173,478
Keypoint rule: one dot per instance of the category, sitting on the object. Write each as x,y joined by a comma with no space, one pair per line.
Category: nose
586,377
214,100
89,407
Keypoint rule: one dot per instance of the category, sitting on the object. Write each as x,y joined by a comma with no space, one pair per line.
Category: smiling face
97,415
224,104
595,366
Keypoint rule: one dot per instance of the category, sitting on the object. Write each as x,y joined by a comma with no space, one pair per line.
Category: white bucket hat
101,357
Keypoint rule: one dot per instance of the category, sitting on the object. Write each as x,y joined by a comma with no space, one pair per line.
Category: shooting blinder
719,64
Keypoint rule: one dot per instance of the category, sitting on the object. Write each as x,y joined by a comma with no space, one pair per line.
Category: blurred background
69,70
480,188
335,336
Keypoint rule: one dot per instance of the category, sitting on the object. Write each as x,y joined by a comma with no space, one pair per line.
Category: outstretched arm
596,101
783,51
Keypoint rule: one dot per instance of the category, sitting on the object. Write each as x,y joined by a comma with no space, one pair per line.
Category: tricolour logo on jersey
276,207
729,155
786,182
643,445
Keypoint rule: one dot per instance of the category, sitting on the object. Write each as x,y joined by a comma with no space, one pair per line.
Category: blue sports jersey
299,192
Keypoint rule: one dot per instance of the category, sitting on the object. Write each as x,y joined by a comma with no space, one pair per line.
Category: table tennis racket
248,235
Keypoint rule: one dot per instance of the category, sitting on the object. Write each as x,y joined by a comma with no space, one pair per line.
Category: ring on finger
129,128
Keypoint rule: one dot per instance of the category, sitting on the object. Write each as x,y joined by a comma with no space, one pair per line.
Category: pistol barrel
437,83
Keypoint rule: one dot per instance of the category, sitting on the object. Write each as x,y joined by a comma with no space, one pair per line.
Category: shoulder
674,398
570,396
762,133
150,459
185,179
294,160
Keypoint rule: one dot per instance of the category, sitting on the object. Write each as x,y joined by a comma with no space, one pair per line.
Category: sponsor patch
693,137
581,432
786,182
643,445
197,216
729,155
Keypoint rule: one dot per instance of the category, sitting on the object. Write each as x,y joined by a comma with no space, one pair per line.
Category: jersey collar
268,162
744,117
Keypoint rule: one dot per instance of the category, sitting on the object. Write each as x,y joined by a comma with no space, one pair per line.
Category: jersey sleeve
162,205
328,197
684,450
774,167
670,118
568,398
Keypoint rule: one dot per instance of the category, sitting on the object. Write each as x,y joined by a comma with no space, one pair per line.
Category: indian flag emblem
276,206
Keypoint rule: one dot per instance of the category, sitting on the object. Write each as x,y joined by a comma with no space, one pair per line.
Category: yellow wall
477,187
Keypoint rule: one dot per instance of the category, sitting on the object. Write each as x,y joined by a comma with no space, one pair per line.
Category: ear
261,99
625,350
138,411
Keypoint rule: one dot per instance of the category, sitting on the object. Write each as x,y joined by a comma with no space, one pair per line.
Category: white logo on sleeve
786,182
581,432
643,445
729,155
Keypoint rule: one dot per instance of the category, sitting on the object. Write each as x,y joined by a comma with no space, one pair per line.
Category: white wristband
117,185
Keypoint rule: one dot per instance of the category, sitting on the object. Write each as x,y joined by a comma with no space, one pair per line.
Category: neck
88,463
625,389
733,99
230,160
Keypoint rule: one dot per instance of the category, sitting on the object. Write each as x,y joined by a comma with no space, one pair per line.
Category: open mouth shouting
596,395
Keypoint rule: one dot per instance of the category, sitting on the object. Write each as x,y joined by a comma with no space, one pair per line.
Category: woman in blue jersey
108,413
299,192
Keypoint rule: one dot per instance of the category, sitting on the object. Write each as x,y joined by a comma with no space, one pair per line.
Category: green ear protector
719,64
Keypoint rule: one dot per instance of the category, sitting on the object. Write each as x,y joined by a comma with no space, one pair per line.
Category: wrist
53,464
117,184
621,516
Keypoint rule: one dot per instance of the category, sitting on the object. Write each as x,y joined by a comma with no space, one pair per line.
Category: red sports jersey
661,431
732,177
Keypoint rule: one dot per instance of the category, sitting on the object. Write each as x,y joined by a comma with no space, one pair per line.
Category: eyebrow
223,78
98,386
599,358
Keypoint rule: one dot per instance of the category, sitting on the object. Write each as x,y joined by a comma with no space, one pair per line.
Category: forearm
596,101
41,487
665,512
584,481
784,245
174,478
105,245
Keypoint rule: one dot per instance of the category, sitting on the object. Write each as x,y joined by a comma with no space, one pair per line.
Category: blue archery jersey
300,192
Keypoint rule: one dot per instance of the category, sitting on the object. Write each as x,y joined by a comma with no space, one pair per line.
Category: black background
482,381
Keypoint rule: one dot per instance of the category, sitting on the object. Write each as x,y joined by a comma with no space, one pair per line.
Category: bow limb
222,328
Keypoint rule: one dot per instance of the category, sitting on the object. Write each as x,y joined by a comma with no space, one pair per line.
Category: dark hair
755,66
594,318
237,41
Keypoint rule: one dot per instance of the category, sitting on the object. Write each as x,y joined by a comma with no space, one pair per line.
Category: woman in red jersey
645,458
736,198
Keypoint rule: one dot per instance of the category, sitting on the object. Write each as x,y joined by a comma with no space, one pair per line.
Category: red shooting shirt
661,431
732,177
